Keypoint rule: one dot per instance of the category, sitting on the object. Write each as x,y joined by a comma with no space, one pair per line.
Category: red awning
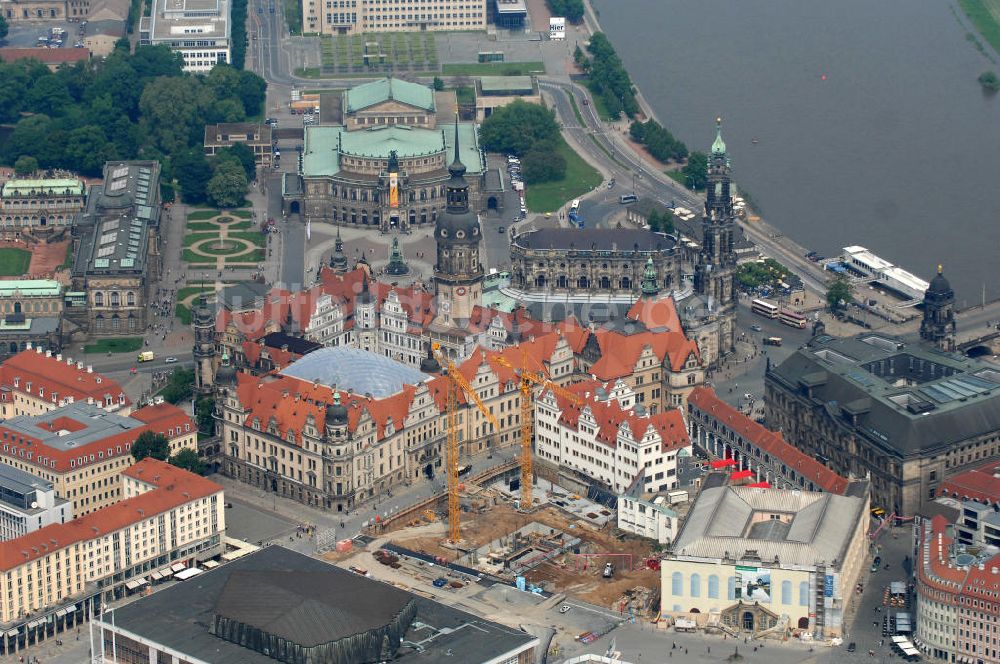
723,463
741,475
760,485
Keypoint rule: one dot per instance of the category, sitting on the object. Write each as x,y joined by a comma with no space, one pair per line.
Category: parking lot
26,35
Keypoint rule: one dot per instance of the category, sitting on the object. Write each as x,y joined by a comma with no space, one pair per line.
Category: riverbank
770,241
985,16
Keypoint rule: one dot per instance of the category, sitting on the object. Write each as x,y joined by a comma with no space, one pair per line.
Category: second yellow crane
528,381
456,385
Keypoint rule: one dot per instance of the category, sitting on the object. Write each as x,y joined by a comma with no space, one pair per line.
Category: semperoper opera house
383,163
908,414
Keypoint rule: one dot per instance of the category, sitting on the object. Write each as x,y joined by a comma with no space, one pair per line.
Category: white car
564,608
170,360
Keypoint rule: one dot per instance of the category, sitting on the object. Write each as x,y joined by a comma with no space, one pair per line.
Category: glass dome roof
356,371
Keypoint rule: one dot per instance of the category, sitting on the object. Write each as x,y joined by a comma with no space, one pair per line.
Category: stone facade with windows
40,205
346,17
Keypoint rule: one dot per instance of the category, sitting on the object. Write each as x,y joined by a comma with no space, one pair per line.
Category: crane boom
528,380
456,385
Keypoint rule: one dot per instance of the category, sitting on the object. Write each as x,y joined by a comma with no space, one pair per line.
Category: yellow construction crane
456,384
530,379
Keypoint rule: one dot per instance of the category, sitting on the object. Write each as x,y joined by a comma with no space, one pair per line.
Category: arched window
731,588
130,298
713,586
804,593
625,283
582,282
540,281
695,585
605,283
786,592
99,299
677,584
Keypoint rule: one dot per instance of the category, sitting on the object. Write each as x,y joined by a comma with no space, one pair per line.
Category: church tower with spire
458,271
938,325
715,273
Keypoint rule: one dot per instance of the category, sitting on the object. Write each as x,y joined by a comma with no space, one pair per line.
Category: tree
252,92
87,149
839,295
516,127
241,154
542,163
228,186
990,81
438,84
179,386
188,460
151,444
193,172
696,170
3,27
204,412
25,165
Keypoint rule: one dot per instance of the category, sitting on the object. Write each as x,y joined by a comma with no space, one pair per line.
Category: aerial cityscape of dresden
499,331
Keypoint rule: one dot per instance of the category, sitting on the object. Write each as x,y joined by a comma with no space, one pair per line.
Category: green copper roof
649,287
63,186
719,146
30,287
321,156
376,92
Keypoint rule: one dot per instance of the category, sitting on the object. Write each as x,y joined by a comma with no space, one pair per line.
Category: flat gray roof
178,21
97,424
178,617
21,481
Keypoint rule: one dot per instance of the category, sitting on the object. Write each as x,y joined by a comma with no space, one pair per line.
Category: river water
896,149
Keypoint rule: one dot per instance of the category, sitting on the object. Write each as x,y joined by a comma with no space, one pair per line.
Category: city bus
772,341
764,308
792,318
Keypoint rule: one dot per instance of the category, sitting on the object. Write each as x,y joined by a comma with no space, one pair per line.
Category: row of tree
221,181
755,275
608,78
696,170
658,140
661,222
129,106
571,10
239,33
156,445
530,132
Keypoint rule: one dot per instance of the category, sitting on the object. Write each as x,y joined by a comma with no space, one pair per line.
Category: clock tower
458,272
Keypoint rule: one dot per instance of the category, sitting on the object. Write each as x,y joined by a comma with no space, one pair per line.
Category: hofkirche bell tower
458,271
715,273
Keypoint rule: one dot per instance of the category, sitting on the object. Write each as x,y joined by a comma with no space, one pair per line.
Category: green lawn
192,257
254,257
202,215
985,15
192,238
14,262
677,176
114,345
600,107
255,237
580,178
188,291
494,69
293,14
182,312
68,261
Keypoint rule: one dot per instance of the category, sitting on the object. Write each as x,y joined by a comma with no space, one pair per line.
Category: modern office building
905,414
81,448
278,605
197,29
767,563
53,577
27,503
346,17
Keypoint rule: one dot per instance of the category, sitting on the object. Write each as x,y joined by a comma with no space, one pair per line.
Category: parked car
440,582
609,570
170,360
852,646
756,328
564,608
502,229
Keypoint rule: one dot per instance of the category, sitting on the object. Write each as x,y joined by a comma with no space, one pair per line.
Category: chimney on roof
27,346
48,353
69,361
90,368
58,357
38,349
284,394
79,365
297,397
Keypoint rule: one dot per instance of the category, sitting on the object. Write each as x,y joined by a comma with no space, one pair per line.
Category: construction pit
552,549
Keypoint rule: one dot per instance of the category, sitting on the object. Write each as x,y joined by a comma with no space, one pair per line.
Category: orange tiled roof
981,484
610,417
620,352
49,56
767,441
292,401
937,569
656,314
60,377
174,487
162,418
